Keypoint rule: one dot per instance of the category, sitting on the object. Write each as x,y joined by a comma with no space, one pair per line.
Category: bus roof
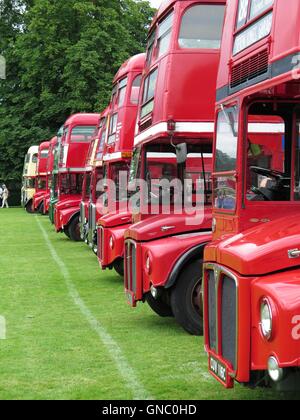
260,44
32,150
82,119
134,63
44,146
166,4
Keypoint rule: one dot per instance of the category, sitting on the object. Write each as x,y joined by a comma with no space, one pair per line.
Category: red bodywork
78,132
120,138
190,73
93,173
50,165
41,178
254,256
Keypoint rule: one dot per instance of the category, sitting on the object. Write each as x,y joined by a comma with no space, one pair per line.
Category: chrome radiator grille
82,213
222,313
92,217
130,266
101,242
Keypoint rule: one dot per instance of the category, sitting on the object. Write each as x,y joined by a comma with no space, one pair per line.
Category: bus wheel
187,299
159,305
41,208
119,266
28,207
74,230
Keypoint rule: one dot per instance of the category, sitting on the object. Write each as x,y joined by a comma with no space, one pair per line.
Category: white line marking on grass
126,371
2,328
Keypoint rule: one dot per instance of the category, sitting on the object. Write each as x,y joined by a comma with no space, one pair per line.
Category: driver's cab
165,175
257,163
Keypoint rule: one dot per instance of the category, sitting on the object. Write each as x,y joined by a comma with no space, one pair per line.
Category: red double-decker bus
50,166
41,178
251,270
93,174
78,132
117,154
174,142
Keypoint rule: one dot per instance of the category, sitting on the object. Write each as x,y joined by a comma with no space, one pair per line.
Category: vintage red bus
29,176
176,113
79,130
50,165
251,269
118,146
95,150
41,178
89,211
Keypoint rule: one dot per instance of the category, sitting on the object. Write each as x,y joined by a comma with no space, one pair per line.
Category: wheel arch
72,218
191,255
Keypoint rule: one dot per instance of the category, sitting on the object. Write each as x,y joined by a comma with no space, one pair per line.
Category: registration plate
219,370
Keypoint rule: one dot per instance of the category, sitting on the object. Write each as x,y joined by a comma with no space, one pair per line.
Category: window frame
187,10
248,19
112,129
86,140
146,100
164,34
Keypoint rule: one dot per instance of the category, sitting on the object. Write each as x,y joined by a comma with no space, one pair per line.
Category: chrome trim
294,253
219,272
128,263
167,228
265,301
101,241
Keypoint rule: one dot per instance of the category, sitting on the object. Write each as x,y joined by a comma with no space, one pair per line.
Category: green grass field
72,336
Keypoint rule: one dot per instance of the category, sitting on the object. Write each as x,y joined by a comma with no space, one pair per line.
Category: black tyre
66,232
119,266
28,207
41,208
186,299
160,305
74,230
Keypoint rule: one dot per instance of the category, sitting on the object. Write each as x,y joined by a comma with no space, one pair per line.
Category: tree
61,58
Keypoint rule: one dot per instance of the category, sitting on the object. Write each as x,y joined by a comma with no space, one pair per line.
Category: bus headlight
214,225
275,372
266,319
111,242
148,264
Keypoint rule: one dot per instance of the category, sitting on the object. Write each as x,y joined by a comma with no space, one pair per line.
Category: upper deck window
119,93
135,90
150,47
164,34
100,150
250,9
122,92
114,95
201,27
254,33
149,92
112,128
82,134
259,6
44,154
102,122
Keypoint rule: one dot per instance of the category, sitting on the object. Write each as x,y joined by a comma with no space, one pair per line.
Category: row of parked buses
128,182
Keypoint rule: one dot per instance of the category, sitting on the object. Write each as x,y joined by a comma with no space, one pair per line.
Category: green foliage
61,58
